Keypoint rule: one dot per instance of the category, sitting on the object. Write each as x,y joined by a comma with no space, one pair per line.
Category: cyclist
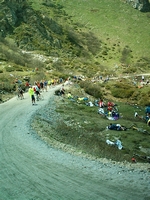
20,93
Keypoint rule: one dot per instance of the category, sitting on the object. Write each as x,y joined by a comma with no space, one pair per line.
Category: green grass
82,128
91,129
95,36
115,22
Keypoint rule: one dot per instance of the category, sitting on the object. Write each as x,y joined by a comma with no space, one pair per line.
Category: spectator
69,95
101,103
42,85
117,127
148,110
45,85
62,90
133,160
31,93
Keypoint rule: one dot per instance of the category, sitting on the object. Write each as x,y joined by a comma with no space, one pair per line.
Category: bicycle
20,96
39,97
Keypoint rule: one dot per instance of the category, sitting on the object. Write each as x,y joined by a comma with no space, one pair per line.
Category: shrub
144,101
36,64
122,93
91,89
9,69
7,87
18,68
73,37
130,70
125,58
135,95
58,65
122,90
39,76
92,42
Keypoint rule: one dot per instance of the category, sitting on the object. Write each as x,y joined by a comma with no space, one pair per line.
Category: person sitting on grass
117,127
101,103
69,95
62,90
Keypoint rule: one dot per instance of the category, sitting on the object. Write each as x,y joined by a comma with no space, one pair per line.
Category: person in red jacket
110,105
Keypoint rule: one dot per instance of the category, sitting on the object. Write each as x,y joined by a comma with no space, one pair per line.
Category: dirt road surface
32,170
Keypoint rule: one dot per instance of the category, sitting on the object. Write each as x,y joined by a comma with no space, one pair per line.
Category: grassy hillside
79,128
117,24
88,36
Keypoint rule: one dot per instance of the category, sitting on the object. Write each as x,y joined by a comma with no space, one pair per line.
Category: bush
7,87
122,93
125,58
122,90
18,68
91,89
1,98
9,69
145,101
36,64
135,95
130,70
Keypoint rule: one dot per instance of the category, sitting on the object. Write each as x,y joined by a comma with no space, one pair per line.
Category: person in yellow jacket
69,95
31,93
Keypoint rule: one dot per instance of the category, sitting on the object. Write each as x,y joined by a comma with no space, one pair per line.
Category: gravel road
32,170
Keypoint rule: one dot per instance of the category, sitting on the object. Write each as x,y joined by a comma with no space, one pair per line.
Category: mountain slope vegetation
91,34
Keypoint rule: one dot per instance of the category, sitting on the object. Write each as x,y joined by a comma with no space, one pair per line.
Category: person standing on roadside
45,85
31,93
37,92
62,90
42,85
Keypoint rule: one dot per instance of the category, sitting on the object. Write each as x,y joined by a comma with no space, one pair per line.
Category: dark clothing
117,127
148,109
33,98
62,91
21,92
41,85
37,93
113,127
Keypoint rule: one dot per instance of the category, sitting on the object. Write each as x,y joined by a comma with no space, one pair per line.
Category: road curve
32,170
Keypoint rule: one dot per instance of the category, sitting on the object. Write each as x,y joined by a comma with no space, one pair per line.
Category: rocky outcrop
31,29
37,30
11,11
